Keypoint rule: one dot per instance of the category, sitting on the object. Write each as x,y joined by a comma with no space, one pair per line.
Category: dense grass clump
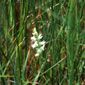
42,42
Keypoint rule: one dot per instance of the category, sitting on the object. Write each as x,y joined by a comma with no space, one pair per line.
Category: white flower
33,38
42,43
37,54
40,36
34,32
39,51
34,45
42,47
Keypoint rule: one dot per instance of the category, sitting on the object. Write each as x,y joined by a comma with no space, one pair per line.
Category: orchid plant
37,43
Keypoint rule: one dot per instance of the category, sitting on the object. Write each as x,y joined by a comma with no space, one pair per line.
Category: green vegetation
61,24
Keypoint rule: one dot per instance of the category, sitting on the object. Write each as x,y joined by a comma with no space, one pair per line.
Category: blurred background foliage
62,24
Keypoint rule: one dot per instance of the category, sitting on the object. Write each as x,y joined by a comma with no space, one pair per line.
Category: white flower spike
37,44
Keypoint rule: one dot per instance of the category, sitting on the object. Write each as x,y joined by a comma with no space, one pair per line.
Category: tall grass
62,24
